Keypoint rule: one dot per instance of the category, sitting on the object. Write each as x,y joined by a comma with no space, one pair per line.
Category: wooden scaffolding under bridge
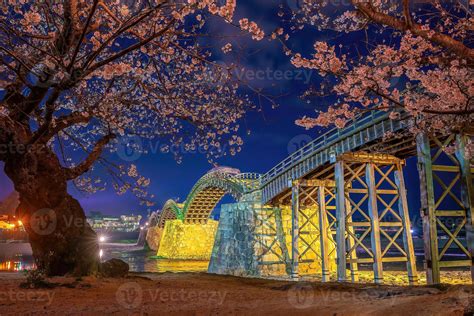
312,237
371,216
447,202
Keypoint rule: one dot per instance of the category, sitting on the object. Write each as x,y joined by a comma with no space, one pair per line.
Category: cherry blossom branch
406,13
131,22
129,49
72,173
430,35
13,55
45,133
428,111
83,34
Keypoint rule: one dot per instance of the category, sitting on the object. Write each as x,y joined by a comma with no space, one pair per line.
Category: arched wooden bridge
355,177
206,194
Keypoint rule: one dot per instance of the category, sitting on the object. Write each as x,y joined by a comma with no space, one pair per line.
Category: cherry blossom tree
415,56
76,77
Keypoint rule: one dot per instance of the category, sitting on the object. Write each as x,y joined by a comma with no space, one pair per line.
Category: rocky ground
204,294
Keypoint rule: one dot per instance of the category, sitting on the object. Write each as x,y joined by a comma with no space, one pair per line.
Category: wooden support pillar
467,196
295,226
375,223
341,222
323,233
405,215
353,265
282,240
430,234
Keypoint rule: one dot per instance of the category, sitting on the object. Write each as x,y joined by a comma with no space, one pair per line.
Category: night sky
269,135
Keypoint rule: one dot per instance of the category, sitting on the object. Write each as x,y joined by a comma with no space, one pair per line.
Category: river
139,260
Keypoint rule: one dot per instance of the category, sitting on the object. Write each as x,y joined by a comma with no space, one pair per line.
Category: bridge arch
205,195
212,187
171,211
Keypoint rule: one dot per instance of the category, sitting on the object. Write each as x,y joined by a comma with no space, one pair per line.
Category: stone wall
153,237
187,241
233,251
256,241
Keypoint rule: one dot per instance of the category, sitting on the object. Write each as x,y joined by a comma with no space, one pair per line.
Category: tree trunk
61,239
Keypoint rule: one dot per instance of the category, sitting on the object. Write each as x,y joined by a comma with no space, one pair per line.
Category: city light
102,238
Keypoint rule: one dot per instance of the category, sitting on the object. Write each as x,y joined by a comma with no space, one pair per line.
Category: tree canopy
79,75
412,56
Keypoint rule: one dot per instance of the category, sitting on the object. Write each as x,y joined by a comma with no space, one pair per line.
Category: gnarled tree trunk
61,239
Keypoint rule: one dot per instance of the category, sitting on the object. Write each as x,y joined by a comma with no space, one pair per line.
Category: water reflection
18,263
143,261
139,261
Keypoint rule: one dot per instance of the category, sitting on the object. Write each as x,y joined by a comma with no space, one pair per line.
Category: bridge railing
248,176
250,180
324,140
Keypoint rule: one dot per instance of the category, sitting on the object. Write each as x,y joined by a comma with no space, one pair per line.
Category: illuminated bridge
335,204
207,193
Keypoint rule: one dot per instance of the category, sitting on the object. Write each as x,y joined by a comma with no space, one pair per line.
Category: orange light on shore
6,225
10,223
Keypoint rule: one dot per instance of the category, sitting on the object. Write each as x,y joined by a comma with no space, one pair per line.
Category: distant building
11,229
122,223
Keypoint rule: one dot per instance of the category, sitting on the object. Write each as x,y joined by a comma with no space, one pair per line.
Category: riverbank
203,294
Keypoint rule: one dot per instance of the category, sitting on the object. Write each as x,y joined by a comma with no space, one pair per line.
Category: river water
139,260
143,261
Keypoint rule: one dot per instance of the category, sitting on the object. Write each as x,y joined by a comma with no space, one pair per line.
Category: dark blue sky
269,135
